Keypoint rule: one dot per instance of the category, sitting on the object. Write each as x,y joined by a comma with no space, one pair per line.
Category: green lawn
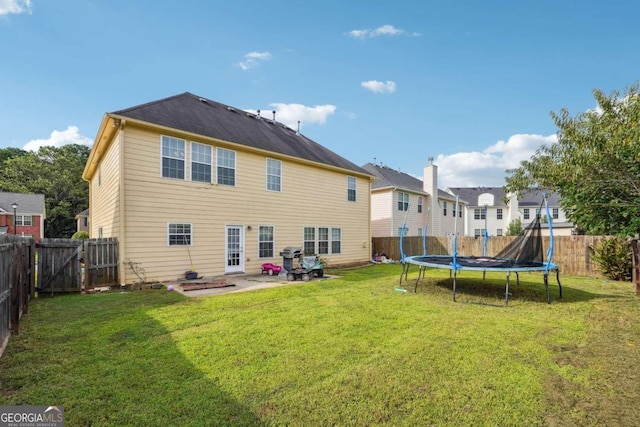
348,351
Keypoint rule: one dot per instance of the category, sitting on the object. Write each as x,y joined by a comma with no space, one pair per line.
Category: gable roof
195,114
28,204
391,178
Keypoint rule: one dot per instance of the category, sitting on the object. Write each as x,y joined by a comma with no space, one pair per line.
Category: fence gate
100,262
59,269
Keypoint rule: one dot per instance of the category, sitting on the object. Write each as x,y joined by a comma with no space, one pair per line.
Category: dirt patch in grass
598,382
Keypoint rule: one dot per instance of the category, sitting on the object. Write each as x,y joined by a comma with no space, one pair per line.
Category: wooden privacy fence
63,266
68,266
17,275
571,253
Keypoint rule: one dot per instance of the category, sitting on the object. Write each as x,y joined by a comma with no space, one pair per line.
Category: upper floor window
173,157
226,163
554,213
526,214
178,234
351,188
479,213
460,213
499,213
403,201
444,208
274,175
200,162
24,220
419,204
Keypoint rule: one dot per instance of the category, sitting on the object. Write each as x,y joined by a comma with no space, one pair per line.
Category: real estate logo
31,416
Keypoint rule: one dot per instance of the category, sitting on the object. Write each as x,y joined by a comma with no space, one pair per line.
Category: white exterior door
234,254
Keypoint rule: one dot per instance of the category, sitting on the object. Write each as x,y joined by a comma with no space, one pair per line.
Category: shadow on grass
525,290
107,370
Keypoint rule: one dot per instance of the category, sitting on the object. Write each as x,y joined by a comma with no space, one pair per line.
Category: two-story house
187,182
398,198
485,209
29,216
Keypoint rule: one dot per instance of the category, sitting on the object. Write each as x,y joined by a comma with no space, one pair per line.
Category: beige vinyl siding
414,219
381,212
105,193
310,196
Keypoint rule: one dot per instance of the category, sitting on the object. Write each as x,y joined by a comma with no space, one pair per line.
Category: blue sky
469,83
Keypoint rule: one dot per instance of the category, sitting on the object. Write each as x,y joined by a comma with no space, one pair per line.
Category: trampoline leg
484,274
405,271
559,285
455,274
420,272
546,288
506,291
517,279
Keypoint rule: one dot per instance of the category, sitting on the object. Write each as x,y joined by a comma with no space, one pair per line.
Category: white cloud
384,30
487,168
14,6
289,114
376,86
59,138
253,59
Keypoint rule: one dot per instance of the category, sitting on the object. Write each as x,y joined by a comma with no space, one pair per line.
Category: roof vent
258,115
231,109
274,116
202,100
298,131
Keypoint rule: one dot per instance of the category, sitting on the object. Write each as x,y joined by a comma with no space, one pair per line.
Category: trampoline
523,254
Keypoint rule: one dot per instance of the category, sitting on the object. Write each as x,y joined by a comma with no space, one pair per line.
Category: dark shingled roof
191,113
531,198
28,204
387,177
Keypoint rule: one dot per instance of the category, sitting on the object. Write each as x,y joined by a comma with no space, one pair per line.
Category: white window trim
273,241
235,166
267,174
180,223
187,172
352,179
191,161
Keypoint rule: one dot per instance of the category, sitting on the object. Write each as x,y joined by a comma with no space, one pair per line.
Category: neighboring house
82,221
185,181
30,214
397,197
486,209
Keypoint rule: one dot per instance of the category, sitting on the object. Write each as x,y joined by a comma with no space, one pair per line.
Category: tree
594,166
55,172
515,227
8,153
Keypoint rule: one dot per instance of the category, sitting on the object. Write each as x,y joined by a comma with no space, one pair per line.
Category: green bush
614,258
80,235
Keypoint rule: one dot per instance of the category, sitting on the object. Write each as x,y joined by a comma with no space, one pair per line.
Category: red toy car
271,269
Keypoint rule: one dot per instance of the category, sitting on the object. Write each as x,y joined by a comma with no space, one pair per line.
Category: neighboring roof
194,114
32,204
471,194
391,178
532,197
83,213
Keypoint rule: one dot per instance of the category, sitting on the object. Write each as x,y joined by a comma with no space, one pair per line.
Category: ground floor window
320,241
179,234
266,241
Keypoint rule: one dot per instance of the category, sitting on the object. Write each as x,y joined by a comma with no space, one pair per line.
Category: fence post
635,272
